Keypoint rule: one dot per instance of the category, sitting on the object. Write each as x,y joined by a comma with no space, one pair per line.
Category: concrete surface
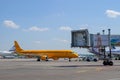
29,69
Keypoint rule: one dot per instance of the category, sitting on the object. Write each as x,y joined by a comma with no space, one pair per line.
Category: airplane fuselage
46,54
54,54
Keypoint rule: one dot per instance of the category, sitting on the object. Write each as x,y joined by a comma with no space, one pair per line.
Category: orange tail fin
17,47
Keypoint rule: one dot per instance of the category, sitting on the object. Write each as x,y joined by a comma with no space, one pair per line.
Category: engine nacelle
44,57
55,58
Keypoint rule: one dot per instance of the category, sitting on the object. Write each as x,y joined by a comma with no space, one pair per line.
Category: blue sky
47,24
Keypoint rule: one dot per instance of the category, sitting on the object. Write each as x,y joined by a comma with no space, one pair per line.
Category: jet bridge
95,43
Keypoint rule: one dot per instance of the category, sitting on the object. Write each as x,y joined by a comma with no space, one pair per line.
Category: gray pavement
29,69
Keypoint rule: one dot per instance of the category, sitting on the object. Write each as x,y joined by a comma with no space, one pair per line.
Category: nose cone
76,55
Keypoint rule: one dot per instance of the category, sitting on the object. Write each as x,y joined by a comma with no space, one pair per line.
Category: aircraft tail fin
12,49
17,47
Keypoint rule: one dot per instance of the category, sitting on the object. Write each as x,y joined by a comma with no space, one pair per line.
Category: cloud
10,24
37,42
65,28
35,28
62,40
112,13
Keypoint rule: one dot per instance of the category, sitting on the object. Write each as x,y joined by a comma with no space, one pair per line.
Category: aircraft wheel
38,59
105,63
69,60
110,63
46,58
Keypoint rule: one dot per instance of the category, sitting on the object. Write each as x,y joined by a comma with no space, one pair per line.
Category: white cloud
10,24
37,42
35,28
65,28
62,40
112,13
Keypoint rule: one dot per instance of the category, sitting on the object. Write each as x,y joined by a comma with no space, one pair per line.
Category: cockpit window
73,52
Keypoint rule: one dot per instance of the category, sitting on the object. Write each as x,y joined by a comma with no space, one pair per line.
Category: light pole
109,42
108,61
103,47
103,32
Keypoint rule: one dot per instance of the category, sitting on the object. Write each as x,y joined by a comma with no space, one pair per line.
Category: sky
47,24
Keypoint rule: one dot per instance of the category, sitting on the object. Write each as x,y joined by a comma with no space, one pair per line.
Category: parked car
91,59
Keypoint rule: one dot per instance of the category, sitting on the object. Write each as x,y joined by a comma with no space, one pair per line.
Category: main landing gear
39,58
46,58
69,60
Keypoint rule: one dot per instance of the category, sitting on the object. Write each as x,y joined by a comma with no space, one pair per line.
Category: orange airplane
46,54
